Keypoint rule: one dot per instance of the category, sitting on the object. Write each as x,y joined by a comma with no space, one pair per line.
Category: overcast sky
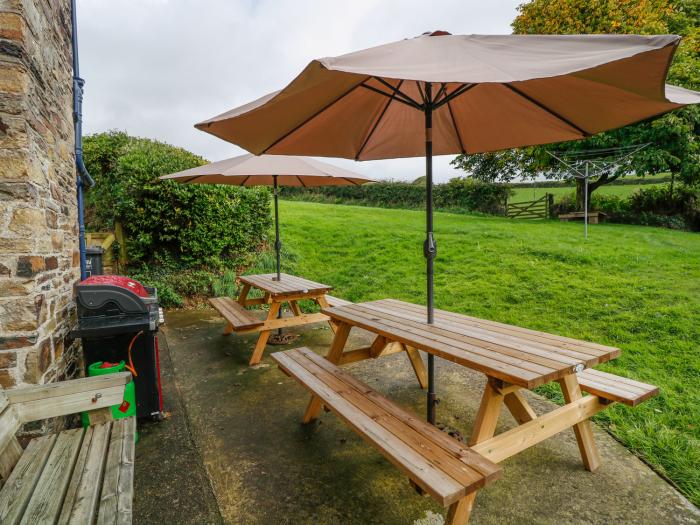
155,67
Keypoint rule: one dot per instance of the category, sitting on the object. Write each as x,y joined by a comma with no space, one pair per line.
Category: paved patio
263,466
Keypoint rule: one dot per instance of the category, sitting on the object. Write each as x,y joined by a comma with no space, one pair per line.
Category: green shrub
652,206
463,194
186,224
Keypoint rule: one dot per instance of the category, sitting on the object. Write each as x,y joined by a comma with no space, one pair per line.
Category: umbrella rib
190,179
548,110
301,181
389,95
244,180
454,123
306,121
376,123
351,181
399,93
457,92
443,89
422,93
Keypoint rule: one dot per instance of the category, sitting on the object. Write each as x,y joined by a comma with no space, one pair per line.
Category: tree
673,138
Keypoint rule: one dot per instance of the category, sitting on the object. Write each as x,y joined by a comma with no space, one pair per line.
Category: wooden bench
76,476
336,301
239,319
615,388
594,217
441,466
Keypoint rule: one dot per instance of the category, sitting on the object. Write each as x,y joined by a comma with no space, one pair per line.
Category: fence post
550,205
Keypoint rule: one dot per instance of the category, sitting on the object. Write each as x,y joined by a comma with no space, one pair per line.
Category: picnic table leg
519,407
459,512
294,306
487,417
337,346
244,294
323,303
583,430
264,335
418,365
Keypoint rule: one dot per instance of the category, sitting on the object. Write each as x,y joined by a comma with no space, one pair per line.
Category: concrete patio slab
265,467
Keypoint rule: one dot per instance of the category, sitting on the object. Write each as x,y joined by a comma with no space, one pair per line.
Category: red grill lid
117,280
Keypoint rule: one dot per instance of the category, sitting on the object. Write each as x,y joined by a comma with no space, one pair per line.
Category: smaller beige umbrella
270,170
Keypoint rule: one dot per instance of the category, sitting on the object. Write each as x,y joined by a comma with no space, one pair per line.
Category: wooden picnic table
512,358
289,289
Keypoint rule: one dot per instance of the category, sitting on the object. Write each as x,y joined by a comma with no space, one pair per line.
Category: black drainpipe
83,179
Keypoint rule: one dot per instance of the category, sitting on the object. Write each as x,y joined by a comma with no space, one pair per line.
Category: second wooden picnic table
512,358
288,289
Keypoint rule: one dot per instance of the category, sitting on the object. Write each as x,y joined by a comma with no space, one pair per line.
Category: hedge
459,194
178,225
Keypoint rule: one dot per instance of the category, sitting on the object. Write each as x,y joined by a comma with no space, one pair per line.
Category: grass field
529,194
633,287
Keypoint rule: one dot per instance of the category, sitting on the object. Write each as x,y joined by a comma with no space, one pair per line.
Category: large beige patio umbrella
269,170
447,94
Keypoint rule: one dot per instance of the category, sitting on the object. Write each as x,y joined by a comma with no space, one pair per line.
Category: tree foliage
165,221
673,138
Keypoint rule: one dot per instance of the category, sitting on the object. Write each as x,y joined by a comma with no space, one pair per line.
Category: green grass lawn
529,194
633,287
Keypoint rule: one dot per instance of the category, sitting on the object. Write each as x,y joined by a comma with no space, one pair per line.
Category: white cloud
155,67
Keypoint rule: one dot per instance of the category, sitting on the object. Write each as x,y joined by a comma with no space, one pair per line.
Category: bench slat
88,490
442,460
117,486
615,388
476,461
126,474
45,503
18,489
235,314
433,460
76,476
441,487
336,301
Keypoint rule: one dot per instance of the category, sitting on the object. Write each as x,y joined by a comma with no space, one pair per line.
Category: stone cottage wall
39,262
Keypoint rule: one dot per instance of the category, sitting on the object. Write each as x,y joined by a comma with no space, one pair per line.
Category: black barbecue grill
118,320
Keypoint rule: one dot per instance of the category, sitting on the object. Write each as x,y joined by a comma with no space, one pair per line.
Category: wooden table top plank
448,338
439,458
559,340
566,353
501,353
539,353
504,371
524,358
288,285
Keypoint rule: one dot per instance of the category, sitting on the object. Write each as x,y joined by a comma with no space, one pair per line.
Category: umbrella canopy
446,94
263,170
489,93
269,170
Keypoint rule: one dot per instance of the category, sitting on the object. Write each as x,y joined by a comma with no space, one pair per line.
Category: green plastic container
128,406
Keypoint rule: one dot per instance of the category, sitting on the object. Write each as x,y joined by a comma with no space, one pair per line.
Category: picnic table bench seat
615,388
238,317
441,466
75,476
594,217
336,301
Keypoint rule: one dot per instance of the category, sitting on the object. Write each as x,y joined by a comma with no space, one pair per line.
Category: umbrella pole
429,248
278,243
